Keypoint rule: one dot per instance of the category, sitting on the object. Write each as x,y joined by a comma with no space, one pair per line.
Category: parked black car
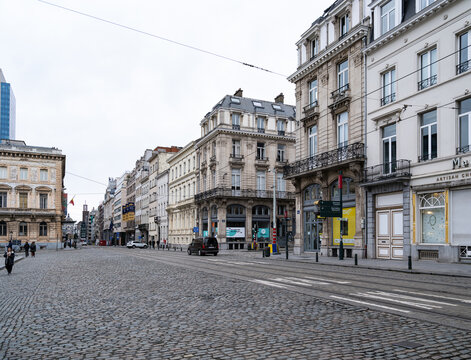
203,246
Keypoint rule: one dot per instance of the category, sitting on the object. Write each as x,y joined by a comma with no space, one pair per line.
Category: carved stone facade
31,185
330,137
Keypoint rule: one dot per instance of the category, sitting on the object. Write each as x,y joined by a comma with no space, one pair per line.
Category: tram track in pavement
402,301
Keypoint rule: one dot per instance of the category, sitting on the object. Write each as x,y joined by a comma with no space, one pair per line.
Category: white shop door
389,234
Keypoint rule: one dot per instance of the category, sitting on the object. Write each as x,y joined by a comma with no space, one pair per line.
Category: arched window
214,211
23,229
235,210
43,229
3,228
204,213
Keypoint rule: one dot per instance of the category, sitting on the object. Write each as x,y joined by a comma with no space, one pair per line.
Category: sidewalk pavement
418,267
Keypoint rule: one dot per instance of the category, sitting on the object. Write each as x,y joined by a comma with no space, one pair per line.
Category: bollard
409,262
341,250
356,259
181,249
317,257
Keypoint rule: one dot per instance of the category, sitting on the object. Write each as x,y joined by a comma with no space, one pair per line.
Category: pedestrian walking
158,244
32,248
9,259
26,247
153,244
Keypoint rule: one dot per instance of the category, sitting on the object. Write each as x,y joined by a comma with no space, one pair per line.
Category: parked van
203,246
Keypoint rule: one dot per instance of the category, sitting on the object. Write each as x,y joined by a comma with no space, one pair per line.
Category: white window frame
235,181
429,136
428,68
280,182
261,180
342,75
313,93
430,203
280,125
460,119
388,20
314,47
313,139
235,119
389,87
342,129
344,24
3,172
3,199
23,173
236,147
261,151
464,64
422,4
43,201
389,140
260,123
280,153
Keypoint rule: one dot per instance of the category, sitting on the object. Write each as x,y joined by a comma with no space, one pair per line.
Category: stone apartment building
31,187
181,209
245,144
418,180
142,197
119,235
331,129
157,218
128,215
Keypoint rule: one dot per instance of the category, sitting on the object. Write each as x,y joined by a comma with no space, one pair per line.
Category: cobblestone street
105,304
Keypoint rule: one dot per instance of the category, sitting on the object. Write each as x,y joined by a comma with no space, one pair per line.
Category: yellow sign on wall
349,214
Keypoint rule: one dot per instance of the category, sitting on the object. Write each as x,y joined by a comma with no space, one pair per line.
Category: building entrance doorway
312,229
389,234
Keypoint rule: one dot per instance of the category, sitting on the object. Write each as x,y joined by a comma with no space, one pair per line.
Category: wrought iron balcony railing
463,149
340,91
281,132
261,130
393,169
432,80
221,192
427,157
236,157
463,67
347,153
388,99
261,158
310,106
235,127
212,159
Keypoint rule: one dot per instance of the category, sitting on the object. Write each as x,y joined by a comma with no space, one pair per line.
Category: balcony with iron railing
261,130
388,99
281,132
463,67
423,84
221,192
236,157
261,158
341,91
235,127
463,149
350,153
388,171
427,157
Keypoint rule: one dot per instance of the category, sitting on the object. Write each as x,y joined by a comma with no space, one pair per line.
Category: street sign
330,208
196,229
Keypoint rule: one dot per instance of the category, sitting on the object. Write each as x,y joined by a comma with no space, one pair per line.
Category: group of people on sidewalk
10,254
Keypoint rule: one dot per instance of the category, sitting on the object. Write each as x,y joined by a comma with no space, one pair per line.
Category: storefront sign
349,214
459,163
235,232
263,233
205,232
451,177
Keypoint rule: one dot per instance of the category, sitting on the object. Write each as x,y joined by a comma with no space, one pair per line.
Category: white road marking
269,283
413,298
312,282
293,282
373,296
329,280
467,301
367,303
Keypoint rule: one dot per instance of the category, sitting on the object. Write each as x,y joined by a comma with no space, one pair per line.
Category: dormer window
235,100
343,25
388,19
257,104
424,3
277,107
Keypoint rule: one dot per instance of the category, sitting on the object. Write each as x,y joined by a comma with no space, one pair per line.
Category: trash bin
266,252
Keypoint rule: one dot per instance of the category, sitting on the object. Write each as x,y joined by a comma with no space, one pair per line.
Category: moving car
136,244
203,246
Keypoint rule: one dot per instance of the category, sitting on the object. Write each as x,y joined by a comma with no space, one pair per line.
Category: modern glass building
7,110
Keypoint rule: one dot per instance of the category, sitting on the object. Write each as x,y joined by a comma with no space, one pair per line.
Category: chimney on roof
280,98
238,93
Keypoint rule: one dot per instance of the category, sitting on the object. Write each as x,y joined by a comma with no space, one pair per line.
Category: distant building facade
31,187
7,110
244,146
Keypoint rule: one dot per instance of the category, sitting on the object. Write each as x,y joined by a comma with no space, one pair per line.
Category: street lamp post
274,209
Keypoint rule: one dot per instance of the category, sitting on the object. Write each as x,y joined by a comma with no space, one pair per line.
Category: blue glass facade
7,112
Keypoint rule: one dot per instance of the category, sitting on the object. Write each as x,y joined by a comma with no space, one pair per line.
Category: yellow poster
349,214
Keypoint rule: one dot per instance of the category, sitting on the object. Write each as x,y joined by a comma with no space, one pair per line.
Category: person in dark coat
26,247
32,248
9,259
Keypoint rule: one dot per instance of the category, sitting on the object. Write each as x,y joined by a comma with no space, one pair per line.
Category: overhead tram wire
162,38
85,178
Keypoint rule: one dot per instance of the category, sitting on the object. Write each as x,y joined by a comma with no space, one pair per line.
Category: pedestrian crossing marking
269,283
467,301
368,303
413,298
329,280
372,295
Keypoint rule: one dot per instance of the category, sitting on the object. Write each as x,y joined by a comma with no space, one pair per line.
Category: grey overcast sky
103,94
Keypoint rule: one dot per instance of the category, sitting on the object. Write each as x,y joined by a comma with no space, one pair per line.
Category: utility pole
274,208
341,218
